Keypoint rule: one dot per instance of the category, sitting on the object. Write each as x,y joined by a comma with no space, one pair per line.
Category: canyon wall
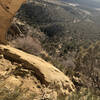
8,9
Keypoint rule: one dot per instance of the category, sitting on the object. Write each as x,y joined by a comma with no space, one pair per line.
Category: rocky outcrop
8,9
45,72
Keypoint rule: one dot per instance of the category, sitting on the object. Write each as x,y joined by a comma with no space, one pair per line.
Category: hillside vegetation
64,35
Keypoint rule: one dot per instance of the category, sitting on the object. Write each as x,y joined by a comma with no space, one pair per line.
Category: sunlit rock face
8,9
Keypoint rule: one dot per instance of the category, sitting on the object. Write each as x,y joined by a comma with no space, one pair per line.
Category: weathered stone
8,9
45,72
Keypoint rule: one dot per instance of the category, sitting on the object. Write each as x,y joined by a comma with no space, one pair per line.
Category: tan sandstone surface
29,71
8,8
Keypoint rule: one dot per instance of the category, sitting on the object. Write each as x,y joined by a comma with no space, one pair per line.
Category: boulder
45,72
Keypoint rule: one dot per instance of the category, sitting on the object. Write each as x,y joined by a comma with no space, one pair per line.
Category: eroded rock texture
45,72
8,9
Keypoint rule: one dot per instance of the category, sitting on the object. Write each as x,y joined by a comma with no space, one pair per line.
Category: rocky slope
21,70
58,37
59,32
22,75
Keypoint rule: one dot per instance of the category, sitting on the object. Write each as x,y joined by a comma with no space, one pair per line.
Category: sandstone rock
12,82
45,72
8,9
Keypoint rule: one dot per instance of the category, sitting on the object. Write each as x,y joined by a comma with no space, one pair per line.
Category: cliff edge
20,69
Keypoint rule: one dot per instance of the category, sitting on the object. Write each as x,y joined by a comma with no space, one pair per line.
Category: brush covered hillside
65,34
